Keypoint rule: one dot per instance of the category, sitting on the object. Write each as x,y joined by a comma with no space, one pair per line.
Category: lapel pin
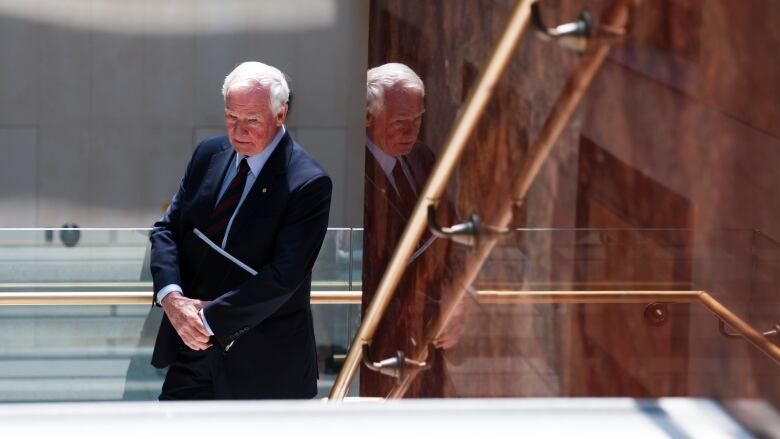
265,190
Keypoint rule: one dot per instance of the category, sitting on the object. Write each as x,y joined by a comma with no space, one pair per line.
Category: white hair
388,76
254,74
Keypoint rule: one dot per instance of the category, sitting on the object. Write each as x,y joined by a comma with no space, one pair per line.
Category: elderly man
397,167
257,195
394,100
397,164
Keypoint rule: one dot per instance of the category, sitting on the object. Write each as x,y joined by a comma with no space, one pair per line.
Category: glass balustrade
102,352
585,312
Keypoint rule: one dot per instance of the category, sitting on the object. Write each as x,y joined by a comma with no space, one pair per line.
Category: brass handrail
745,330
504,297
485,297
127,285
759,340
51,298
461,132
615,18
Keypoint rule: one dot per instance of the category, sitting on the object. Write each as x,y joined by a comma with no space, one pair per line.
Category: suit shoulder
210,146
304,166
423,152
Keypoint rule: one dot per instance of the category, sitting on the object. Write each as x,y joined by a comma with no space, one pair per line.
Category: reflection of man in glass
397,168
394,95
394,99
397,165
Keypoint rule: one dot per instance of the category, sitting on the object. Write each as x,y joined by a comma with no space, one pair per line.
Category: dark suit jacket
278,231
385,214
415,301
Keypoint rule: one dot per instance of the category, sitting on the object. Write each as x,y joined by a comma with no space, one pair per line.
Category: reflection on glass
102,352
397,167
663,179
397,164
532,342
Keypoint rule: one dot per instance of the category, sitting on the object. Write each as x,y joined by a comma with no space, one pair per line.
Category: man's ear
281,117
369,119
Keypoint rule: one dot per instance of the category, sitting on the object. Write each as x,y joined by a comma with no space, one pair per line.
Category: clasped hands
184,315
455,326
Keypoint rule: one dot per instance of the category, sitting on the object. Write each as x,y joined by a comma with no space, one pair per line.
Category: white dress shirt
256,163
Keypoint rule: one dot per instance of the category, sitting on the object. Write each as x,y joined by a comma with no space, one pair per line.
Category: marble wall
675,132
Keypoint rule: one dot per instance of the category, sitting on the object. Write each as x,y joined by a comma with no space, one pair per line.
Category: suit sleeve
164,258
297,245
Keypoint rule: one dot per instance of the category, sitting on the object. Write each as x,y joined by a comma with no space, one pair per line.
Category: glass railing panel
331,271
76,353
625,134
39,259
46,259
732,265
102,352
422,278
334,328
338,268
528,325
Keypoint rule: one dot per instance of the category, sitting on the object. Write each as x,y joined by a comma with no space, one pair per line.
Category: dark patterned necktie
406,192
224,210
409,196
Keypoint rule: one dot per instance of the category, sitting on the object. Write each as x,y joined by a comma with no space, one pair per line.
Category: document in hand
214,271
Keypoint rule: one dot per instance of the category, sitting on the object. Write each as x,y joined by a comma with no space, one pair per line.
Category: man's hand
185,318
453,330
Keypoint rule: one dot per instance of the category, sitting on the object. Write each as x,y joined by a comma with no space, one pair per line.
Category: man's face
250,123
396,127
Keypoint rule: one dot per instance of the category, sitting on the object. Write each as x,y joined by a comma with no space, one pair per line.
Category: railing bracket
397,366
468,233
578,30
657,314
772,333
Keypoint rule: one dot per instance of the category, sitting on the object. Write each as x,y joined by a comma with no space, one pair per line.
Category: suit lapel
267,183
211,184
382,187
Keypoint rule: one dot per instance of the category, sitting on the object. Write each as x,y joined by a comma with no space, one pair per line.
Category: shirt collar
385,160
257,161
